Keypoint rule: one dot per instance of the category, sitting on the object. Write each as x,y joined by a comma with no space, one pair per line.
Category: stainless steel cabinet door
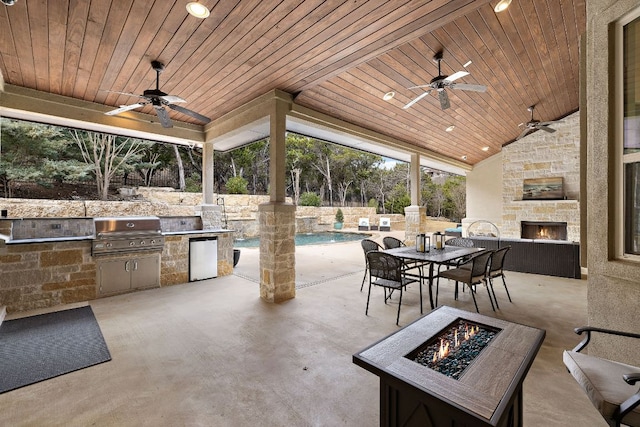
113,276
145,271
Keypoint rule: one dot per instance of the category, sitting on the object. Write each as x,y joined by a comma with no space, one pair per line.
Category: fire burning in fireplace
543,230
454,348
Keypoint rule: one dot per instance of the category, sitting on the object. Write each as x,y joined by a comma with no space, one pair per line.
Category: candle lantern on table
438,238
423,243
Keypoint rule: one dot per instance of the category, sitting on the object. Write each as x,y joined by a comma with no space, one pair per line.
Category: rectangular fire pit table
487,393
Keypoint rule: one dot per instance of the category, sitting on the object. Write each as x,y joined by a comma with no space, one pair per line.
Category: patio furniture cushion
603,383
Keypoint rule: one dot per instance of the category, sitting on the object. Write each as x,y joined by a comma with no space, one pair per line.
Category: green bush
237,185
309,199
339,216
193,183
373,203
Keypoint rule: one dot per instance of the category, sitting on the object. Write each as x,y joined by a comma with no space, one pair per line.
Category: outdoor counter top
9,241
207,231
44,239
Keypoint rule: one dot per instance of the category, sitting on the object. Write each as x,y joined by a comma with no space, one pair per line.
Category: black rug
40,347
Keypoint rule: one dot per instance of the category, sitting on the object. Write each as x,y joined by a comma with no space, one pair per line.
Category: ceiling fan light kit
442,82
158,99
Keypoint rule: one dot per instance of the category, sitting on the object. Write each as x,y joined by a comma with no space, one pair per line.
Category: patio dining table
432,257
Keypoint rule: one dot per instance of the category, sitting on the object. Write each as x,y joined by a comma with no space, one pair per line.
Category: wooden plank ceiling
335,56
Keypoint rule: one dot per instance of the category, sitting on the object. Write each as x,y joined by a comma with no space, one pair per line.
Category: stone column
415,215
277,251
277,218
415,222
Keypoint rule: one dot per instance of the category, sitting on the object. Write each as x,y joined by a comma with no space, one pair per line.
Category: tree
37,153
455,191
107,154
299,161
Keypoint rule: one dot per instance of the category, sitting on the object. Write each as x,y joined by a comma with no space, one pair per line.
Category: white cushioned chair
611,386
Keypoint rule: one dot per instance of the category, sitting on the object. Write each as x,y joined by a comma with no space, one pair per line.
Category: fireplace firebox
543,230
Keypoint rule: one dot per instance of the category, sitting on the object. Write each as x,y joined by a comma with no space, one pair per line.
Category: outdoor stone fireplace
543,155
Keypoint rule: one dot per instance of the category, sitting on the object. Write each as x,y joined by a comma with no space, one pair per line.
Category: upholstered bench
611,386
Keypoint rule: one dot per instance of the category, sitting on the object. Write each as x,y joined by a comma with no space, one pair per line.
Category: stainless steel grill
116,235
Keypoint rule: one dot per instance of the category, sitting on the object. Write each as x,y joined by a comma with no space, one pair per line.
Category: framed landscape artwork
543,189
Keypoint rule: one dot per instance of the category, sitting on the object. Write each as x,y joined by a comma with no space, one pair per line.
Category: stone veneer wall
39,275
543,155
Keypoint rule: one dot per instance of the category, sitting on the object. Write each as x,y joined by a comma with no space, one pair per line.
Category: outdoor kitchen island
418,387
51,261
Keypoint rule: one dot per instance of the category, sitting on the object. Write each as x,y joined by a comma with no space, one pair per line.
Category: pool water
308,239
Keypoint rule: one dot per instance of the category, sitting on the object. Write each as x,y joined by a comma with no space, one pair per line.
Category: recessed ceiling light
467,64
389,95
450,128
485,148
502,5
198,10
464,157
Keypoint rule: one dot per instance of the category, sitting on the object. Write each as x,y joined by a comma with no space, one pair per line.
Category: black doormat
40,347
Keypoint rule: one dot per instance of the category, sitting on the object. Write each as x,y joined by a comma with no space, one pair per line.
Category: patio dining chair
611,386
391,242
460,241
368,245
470,272
387,271
495,269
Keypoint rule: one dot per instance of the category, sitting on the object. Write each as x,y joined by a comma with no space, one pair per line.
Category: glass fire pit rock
454,348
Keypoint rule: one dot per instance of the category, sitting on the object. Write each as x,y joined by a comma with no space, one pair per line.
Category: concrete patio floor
212,353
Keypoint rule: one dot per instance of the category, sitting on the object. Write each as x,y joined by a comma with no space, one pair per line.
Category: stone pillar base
211,215
415,222
277,251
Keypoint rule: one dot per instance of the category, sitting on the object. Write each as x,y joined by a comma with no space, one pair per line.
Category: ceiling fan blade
419,86
172,99
417,99
524,132
471,87
122,93
124,108
444,99
545,128
456,76
165,121
190,113
550,122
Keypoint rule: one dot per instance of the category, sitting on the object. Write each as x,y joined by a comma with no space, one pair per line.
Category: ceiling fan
159,100
533,125
440,83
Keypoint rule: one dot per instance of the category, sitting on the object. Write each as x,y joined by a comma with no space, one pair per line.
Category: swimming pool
302,239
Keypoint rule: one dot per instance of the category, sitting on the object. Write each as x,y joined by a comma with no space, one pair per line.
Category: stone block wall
543,155
42,275
241,210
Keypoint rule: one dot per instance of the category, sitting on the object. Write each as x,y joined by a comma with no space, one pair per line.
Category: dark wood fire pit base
488,393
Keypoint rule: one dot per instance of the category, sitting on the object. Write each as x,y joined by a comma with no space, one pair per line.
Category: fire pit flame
450,354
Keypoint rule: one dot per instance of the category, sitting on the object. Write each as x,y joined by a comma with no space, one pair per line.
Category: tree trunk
182,182
295,183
